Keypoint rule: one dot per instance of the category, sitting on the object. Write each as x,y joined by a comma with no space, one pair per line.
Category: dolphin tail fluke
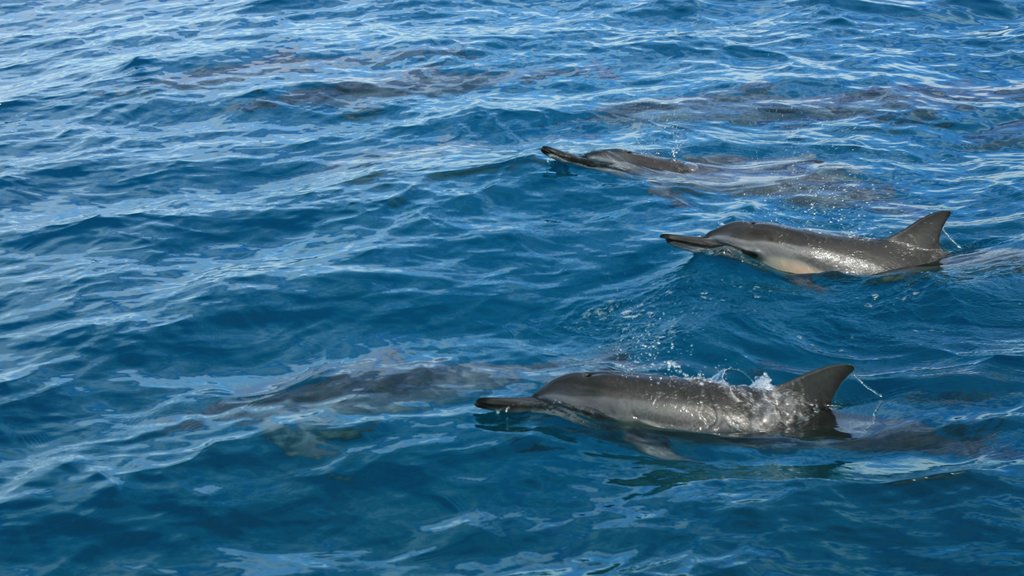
525,404
571,158
819,386
925,232
691,243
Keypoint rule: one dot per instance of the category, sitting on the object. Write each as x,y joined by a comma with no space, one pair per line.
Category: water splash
868,388
762,382
958,247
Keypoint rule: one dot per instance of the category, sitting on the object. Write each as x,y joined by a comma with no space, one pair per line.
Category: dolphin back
925,232
620,161
818,387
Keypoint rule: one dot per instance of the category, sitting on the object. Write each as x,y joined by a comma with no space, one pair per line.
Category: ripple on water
257,261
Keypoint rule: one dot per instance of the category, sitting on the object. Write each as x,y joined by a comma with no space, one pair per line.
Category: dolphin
806,252
799,407
618,161
307,416
732,175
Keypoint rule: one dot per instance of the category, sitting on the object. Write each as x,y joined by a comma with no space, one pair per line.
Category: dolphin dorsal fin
925,232
818,386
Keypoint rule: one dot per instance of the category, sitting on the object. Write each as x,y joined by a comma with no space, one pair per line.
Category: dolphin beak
557,154
570,158
692,243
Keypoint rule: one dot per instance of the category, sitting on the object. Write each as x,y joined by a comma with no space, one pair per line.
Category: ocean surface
259,258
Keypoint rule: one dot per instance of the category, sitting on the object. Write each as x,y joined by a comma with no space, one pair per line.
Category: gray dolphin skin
799,407
806,252
620,161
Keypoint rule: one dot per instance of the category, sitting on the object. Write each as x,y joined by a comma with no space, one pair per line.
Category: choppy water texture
257,259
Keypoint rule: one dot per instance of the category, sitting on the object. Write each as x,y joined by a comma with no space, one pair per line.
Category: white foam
762,382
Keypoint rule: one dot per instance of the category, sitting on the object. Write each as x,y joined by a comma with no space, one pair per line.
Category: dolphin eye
588,374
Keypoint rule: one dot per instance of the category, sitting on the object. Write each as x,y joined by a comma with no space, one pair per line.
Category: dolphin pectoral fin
654,446
570,158
818,387
524,404
925,232
300,441
667,193
691,243
805,282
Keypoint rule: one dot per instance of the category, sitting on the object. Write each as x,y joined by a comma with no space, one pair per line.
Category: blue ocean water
258,258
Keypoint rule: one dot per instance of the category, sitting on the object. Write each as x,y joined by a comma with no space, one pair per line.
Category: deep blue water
258,258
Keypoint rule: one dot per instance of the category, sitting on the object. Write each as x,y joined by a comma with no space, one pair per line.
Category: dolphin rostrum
805,252
799,407
620,161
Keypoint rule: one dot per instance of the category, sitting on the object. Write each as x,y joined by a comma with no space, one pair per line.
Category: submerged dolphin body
733,175
805,252
799,407
620,161
309,415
